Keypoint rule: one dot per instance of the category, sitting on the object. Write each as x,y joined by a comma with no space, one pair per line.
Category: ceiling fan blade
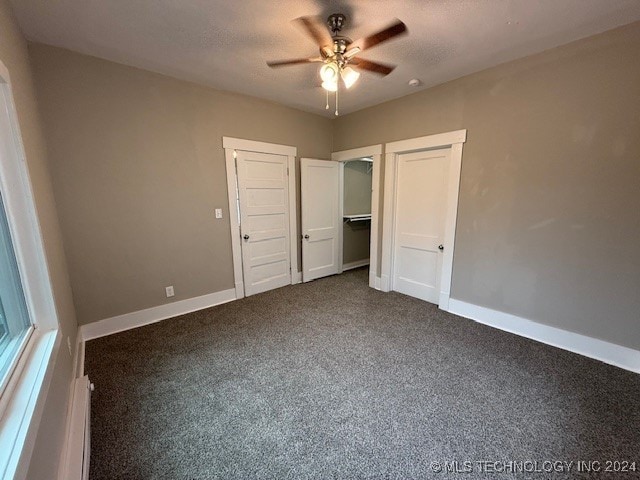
316,29
370,66
295,61
393,30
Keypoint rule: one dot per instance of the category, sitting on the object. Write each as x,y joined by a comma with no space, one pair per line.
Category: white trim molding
454,141
340,218
356,153
440,140
260,147
606,352
25,406
231,145
22,216
375,153
120,323
23,395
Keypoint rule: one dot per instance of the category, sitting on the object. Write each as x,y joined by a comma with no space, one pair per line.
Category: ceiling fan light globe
349,76
329,72
330,86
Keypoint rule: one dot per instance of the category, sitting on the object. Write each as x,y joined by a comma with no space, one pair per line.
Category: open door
320,197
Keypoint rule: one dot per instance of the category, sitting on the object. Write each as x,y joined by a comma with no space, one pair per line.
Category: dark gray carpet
333,379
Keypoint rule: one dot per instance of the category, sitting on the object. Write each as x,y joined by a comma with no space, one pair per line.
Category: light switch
218,213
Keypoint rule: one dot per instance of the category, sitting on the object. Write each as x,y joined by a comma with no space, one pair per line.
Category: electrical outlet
69,346
218,213
169,291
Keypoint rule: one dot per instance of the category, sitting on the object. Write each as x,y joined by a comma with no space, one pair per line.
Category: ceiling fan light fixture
349,76
330,86
329,72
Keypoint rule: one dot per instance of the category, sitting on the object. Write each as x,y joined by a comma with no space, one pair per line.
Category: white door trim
375,152
230,145
341,219
453,140
260,147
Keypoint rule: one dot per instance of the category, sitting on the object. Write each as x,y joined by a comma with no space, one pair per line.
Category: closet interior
356,216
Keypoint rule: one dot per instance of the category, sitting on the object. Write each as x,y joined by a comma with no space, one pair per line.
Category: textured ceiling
225,43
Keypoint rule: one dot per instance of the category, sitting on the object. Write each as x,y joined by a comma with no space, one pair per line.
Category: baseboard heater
78,449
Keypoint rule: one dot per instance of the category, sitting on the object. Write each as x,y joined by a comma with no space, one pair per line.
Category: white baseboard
356,264
296,277
606,352
112,325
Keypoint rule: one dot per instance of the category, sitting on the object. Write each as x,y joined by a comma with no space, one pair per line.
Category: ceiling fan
338,53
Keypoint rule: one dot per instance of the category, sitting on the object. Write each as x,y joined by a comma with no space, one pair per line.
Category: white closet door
320,196
419,223
264,221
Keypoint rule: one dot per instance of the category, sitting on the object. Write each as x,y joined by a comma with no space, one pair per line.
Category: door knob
246,237
306,237
440,247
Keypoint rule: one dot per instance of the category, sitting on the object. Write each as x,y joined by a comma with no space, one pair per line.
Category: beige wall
548,220
357,199
138,169
357,187
14,55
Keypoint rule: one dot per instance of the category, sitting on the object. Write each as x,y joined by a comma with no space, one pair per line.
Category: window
29,335
15,325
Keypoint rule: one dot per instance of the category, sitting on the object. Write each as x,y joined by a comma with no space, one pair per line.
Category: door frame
453,140
230,146
375,152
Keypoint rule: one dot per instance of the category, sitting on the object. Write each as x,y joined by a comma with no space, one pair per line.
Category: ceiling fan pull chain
327,106
337,88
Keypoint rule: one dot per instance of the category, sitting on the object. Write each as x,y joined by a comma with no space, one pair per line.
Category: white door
320,197
264,220
419,223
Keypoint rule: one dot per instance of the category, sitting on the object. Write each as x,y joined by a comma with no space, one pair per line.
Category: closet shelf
357,218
